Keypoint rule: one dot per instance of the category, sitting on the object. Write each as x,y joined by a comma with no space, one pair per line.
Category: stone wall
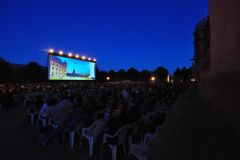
222,88
225,31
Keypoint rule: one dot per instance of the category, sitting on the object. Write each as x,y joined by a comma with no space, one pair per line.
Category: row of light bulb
70,55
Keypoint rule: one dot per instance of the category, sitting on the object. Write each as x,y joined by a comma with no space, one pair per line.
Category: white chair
120,135
27,103
32,115
93,132
52,123
140,150
72,133
72,137
135,129
43,120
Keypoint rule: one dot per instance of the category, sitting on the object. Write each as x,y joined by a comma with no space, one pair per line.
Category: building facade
58,69
201,64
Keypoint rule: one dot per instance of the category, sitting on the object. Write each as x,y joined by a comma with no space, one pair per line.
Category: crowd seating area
126,116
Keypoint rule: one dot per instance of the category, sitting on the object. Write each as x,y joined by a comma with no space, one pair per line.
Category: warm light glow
89,59
193,79
153,78
77,56
108,78
94,60
69,54
168,78
60,52
51,50
83,57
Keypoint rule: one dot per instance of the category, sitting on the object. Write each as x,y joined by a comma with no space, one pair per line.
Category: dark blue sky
119,33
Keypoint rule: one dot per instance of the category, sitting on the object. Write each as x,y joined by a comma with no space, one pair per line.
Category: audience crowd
60,108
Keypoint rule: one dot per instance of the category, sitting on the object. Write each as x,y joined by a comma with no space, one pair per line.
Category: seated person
117,120
64,101
134,113
59,108
69,121
46,106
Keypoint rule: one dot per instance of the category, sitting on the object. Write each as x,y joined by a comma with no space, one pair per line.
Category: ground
18,140
192,131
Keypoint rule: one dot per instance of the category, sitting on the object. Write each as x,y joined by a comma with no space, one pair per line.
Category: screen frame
72,57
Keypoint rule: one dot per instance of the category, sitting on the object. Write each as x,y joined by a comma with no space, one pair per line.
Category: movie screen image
63,68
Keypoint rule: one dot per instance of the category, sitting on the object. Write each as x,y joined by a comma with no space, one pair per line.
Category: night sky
120,33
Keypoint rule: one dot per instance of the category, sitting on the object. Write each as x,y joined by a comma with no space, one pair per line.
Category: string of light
70,55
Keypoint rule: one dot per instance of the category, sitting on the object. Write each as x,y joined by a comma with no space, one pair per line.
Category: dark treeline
33,72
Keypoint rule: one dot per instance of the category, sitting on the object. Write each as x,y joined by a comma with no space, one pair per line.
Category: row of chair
91,134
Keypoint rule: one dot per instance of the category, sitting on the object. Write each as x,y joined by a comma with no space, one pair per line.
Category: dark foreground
19,141
191,131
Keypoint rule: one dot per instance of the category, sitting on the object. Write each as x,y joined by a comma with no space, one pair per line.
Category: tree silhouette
145,75
102,76
161,73
183,74
112,74
34,72
5,71
132,74
177,74
121,74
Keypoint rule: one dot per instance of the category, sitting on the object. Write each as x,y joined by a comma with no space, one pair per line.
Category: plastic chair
121,136
52,123
72,133
135,129
140,150
72,137
32,115
92,133
43,120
